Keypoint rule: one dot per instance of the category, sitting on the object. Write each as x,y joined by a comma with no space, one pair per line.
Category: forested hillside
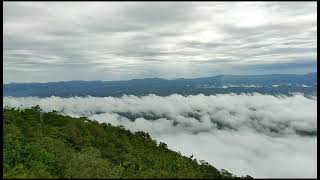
50,145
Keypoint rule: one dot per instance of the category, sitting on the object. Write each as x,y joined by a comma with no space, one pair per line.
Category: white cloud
110,40
259,135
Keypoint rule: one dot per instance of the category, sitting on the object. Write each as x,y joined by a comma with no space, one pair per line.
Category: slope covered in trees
50,145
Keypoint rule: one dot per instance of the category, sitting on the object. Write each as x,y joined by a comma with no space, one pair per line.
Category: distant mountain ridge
220,84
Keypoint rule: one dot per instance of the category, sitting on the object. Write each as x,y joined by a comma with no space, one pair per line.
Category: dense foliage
50,145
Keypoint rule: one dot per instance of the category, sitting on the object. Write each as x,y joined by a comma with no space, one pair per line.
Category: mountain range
221,84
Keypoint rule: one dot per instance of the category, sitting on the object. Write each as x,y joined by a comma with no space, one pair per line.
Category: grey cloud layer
108,40
260,135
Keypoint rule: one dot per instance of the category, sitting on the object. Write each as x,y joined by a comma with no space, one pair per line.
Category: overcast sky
60,41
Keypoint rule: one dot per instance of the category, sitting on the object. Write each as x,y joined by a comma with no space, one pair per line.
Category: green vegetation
50,145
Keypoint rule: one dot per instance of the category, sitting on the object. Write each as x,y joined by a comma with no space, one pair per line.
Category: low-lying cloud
259,135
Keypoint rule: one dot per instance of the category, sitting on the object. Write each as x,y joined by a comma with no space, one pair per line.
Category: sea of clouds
260,135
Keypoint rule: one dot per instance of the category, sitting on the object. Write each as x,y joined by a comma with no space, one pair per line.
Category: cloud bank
259,135
125,40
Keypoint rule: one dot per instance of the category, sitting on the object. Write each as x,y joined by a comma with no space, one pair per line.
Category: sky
62,41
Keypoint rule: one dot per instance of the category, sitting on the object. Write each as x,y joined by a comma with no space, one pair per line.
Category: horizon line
159,78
